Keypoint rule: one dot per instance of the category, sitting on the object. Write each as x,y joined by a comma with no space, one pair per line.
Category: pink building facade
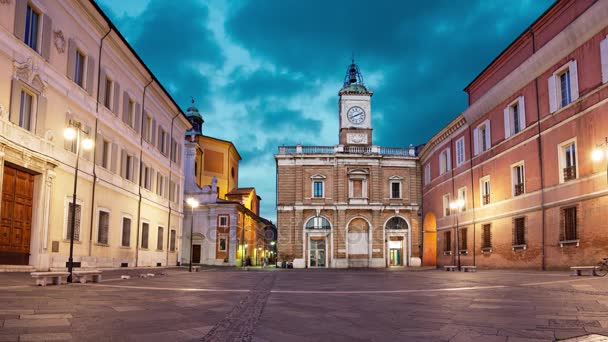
520,156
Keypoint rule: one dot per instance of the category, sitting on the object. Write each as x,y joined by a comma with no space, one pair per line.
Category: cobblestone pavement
307,305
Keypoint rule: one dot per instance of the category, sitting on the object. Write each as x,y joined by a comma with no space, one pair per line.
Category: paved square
307,305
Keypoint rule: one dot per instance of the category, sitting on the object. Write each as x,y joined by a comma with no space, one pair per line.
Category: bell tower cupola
196,119
355,109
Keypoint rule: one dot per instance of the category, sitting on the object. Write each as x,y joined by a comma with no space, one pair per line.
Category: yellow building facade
64,64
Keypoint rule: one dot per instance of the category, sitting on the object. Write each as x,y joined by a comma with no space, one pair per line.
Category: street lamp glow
272,243
597,154
87,144
69,133
457,204
193,203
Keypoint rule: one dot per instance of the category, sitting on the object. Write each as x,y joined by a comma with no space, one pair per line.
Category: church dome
196,119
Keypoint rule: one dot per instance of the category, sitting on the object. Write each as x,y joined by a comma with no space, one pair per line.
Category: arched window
318,222
396,223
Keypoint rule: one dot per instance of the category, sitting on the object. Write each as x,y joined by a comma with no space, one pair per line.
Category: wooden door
16,216
196,254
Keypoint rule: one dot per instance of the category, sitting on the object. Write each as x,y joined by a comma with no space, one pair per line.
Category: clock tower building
355,109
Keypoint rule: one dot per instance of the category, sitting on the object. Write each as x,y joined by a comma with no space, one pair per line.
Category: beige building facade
354,204
64,64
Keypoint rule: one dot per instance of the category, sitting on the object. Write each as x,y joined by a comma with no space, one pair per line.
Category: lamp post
73,133
272,243
193,203
457,205
601,152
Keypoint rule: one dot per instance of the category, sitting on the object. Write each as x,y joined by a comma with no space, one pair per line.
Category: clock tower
355,109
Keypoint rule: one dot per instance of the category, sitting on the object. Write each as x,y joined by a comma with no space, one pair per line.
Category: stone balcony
342,149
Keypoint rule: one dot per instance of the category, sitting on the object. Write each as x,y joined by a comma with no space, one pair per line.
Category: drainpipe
472,190
96,142
141,152
169,206
540,163
457,213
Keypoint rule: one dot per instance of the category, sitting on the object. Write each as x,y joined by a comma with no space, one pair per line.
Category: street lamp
193,203
601,152
73,133
456,206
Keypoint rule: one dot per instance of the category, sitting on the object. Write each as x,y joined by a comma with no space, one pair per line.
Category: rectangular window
318,189
77,215
462,195
569,225
105,154
25,110
148,128
519,231
568,161
159,239
223,221
486,238
173,238
107,102
395,189
462,239
126,232
162,142
357,188
174,150
460,151
515,117
147,179
447,237
79,63
103,227
446,205
518,179
427,173
483,138
445,162
564,87
159,184
145,230
222,244
129,168
32,22
485,190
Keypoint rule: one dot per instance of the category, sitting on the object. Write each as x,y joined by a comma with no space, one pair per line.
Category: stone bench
450,268
469,268
83,276
42,278
578,270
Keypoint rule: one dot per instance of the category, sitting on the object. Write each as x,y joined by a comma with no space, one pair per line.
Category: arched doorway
317,231
397,243
429,241
358,242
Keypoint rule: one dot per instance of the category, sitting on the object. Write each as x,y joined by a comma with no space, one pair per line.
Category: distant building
64,64
227,227
354,204
520,156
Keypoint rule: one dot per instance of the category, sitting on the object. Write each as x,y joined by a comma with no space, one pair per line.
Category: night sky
266,73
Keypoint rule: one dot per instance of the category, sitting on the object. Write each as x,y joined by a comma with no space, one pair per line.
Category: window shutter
152,178
604,58
153,133
116,97
135,169
123,164
144,125
179,155
166,183
20,12
41,115
573,79
137,123
102,86
167,146
522,113
488,135
71,58
15,101
160,137
47,24
90,74
98,149
125,108
87,155
449,160
113,158
507,113
476,141
177,194
552,94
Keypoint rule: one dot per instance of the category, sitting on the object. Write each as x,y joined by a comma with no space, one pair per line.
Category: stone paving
308,305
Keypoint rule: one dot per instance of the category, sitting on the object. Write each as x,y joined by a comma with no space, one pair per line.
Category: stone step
17,268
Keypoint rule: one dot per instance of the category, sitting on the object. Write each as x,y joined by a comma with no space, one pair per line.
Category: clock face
356,115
